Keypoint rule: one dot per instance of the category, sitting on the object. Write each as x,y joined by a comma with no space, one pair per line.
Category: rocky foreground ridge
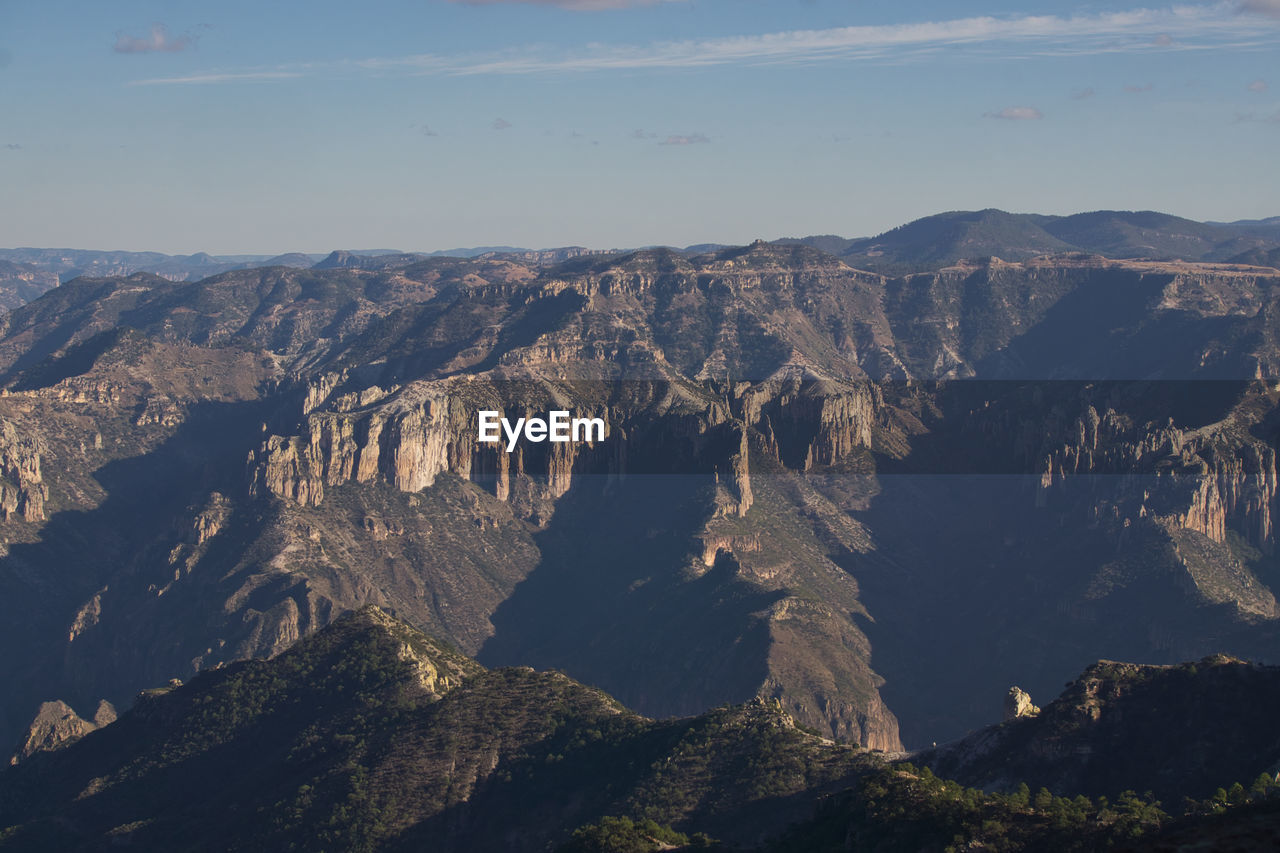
1178,731
371,735
794,499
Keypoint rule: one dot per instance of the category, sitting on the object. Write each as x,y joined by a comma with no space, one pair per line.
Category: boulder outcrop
57,725
1017,703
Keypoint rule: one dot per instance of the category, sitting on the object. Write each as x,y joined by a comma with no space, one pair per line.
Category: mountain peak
436,666
1176,729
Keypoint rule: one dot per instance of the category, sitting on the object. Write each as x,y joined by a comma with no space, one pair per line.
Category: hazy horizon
370,250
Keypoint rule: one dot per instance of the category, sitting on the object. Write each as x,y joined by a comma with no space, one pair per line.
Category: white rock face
22,488
1017,703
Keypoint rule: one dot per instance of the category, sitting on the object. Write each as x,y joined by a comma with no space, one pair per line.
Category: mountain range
949,237
917,246
371,735
850,493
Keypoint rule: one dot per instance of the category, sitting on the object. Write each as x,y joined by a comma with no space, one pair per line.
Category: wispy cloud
157,41
11,146
500,124
1081,94
1186,27
575,5
690,139
1258,85
1016,114
427,131
219,77
1137,88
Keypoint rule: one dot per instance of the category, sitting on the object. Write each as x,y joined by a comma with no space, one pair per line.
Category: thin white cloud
157,41
1016,114
1137,88
500,124
1131,31
219,77
1258,85
11,146
1199,27
1082,94
690,139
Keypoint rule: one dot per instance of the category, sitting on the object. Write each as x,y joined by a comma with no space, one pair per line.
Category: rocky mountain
66,264
879,501
20,283
544,257
832,244
342,259
1178,731
945,238
57,725
369,735
1258,257
1147,234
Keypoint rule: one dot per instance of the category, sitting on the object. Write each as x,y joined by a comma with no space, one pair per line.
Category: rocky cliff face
409,436
20,283
814,423
237,461
1136,319
1111,456
1185,730
57,725
22,491
1017,703
1206,479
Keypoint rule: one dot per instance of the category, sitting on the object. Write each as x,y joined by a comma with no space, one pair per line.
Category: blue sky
250,127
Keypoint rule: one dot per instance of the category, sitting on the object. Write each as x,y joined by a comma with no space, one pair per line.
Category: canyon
877,500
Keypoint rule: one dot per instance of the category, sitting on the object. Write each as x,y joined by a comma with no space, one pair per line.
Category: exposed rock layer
788,388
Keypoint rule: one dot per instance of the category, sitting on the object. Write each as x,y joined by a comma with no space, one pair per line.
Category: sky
236,127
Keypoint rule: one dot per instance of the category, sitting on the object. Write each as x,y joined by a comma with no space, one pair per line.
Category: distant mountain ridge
921,245
26,272
20,283
945,238
66,264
